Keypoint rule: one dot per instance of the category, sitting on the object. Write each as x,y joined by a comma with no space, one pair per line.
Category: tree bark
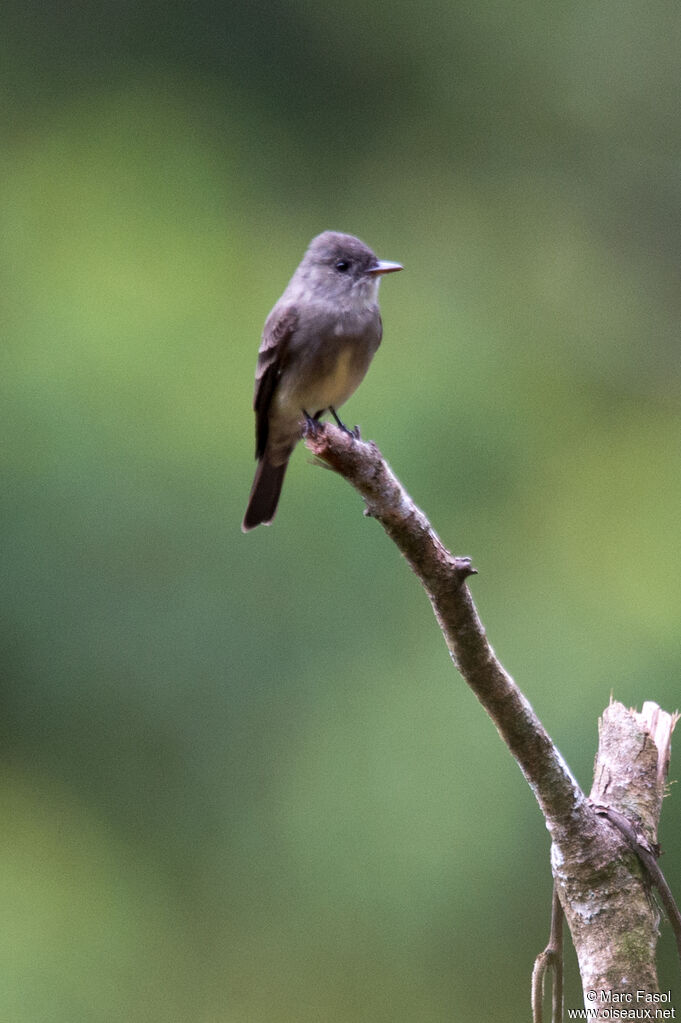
599,879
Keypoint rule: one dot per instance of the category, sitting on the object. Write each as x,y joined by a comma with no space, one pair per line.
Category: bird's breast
342,377
328,365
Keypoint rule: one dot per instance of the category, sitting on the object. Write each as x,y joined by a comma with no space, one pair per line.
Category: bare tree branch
647,855
443,576
598,880
551,959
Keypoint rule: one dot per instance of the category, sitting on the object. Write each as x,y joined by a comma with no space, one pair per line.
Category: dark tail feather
262,504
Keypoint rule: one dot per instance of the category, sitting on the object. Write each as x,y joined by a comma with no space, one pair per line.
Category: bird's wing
276,335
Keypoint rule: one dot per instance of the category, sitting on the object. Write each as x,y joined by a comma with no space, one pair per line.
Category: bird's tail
262,504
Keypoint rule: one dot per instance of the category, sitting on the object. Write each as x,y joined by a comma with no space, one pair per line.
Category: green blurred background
241,780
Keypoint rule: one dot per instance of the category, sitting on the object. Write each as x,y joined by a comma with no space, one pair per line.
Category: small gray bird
316,347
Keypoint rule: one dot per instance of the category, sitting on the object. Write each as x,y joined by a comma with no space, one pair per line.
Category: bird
317,344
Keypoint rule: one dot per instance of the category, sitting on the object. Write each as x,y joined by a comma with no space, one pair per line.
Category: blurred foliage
240,778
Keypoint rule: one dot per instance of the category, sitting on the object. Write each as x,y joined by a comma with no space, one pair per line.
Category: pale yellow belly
336,387
317,392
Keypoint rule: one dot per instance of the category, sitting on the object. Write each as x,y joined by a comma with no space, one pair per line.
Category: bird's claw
346,429
310,425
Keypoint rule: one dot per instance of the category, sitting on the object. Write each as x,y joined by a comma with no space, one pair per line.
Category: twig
444,576
647,856
550,959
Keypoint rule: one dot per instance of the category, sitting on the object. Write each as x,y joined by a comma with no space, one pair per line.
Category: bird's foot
311,425
353,433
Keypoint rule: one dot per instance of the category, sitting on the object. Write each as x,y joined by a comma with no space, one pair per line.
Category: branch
550,959
647,855
597,879
443,577
629,786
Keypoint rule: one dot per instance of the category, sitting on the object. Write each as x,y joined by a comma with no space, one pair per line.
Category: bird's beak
382,266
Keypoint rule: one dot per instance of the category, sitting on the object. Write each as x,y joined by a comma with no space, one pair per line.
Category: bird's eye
342,266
